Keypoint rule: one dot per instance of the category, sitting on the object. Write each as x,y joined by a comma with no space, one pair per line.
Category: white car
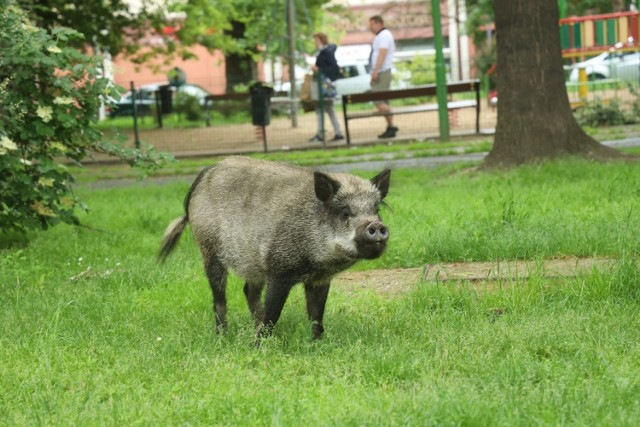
354,78
145,96
610,65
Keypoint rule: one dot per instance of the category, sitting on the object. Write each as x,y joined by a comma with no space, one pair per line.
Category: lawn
95,332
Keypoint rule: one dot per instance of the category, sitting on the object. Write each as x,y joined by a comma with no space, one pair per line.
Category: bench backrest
427,90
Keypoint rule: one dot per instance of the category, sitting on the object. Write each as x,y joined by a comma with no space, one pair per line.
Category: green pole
441,79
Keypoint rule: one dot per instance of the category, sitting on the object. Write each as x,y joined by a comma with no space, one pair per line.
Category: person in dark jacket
326,68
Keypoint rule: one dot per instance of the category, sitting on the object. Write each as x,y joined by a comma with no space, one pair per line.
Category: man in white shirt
382,50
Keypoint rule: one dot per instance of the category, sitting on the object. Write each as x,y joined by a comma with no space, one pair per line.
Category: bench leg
477,88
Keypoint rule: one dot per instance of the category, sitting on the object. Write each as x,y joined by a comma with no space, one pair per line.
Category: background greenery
95,332
50,94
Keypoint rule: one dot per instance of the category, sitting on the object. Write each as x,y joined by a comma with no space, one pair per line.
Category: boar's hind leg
217,275
253,292
275,297
316,294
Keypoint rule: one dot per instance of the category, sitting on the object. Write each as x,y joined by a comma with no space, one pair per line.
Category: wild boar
279,225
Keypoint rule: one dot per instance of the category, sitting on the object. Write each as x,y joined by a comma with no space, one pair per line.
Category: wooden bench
428,90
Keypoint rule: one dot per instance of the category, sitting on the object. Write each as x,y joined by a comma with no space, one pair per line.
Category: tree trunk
240,68
535,120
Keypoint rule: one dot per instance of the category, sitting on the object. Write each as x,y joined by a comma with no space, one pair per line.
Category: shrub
50,95
189,105
421,69
600,114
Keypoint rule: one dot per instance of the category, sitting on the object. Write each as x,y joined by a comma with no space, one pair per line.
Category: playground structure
588,36
582,36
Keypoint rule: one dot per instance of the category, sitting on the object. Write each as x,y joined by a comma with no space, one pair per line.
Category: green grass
95,332
171,121
320,157
342,155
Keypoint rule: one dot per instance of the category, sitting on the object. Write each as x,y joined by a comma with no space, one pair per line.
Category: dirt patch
399,280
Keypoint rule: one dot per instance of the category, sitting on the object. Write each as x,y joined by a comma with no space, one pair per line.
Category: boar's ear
326,187
381,181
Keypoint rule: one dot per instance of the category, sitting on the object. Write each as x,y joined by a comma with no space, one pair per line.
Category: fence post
158,108
136,137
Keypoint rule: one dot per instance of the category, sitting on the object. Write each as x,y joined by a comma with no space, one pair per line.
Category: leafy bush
485,60
421,69
189,105
50,94
603,114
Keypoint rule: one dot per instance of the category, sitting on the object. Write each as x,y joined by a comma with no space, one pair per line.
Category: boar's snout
376,232
372,240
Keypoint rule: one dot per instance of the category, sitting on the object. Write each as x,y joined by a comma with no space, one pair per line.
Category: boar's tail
172,236
175,229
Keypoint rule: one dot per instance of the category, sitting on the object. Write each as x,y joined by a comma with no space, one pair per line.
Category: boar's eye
345,213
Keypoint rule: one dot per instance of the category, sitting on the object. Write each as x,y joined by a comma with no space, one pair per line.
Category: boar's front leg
217,275
253,293
316,294
275,297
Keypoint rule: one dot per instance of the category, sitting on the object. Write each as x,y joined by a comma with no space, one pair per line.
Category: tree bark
535,121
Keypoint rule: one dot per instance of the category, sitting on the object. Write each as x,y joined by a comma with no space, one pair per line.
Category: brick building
409,20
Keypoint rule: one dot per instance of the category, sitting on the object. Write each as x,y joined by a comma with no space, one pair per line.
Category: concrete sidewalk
364,165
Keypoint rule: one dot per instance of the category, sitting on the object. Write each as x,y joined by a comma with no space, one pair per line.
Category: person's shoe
389,133
337,138
316,138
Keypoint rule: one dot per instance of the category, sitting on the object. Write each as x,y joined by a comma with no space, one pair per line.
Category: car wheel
595,76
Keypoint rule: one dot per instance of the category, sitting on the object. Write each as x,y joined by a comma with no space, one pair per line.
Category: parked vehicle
146,98
610,65
354,78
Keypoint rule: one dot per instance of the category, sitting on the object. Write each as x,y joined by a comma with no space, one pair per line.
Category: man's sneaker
337,138
316,138
389,133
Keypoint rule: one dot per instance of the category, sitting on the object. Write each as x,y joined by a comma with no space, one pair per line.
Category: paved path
365,165
426,162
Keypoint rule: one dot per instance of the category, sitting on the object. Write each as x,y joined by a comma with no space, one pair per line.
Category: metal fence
224,126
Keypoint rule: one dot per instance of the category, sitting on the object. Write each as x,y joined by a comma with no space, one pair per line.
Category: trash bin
166,100
260,103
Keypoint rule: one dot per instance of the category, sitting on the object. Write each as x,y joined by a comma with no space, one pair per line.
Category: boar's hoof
317,330
264,331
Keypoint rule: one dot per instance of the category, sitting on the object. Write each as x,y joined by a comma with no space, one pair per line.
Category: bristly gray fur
199,178
276,225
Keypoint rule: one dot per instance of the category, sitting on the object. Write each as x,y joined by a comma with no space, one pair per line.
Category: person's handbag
306,100
305,89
